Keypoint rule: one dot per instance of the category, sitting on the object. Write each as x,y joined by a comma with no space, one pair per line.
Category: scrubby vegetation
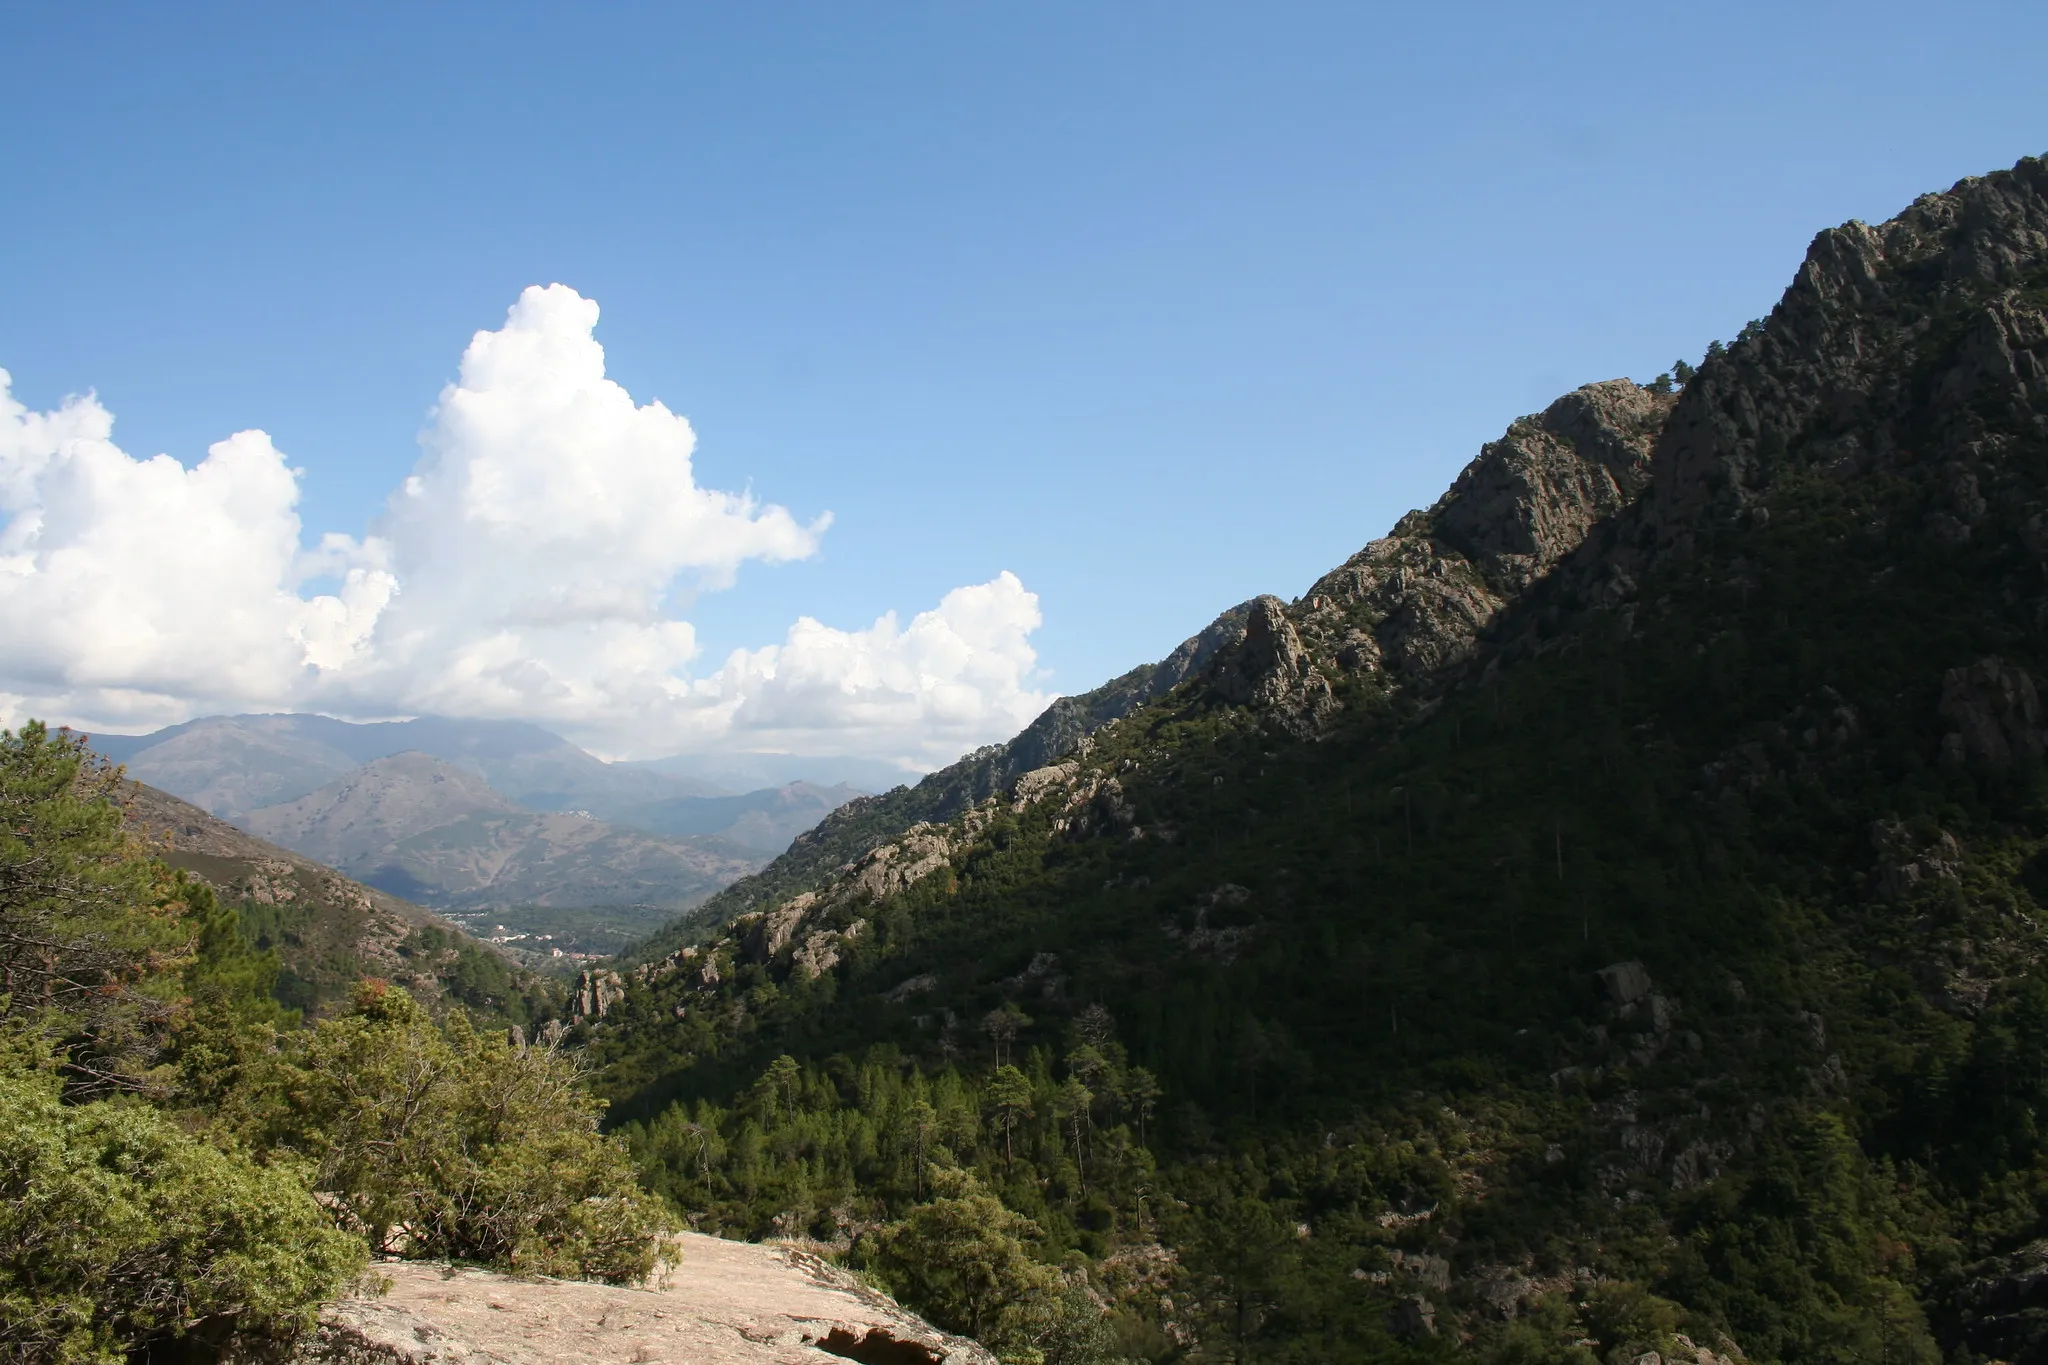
184,1166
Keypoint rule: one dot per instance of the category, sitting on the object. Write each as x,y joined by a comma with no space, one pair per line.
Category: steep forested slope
1603,916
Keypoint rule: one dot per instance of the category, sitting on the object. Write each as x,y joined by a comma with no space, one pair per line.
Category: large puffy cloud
128,586
525,569
952,679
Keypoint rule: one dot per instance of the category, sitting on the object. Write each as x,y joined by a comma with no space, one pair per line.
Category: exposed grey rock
1532,496
1626,982
819,952
1827,357
1042,782
596,992
1431,1272
1906,863
1271,670
1107,812
915,985
921,850
768,934
1995,710
2003,1305
1417,600
1504,1290
1413,1317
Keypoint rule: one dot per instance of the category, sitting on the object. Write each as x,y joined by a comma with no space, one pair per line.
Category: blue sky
1155,306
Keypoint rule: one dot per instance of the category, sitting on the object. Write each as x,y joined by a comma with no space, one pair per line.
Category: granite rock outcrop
726,1303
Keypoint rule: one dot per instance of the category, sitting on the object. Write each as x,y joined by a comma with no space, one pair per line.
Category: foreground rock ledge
724,1302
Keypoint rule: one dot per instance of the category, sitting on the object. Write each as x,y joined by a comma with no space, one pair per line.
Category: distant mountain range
234,764
474,814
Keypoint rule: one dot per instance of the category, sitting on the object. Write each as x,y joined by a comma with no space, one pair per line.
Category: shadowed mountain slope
1605,916
859,825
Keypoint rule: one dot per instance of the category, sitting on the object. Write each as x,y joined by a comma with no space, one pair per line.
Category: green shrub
438,1141
960,1260
118,1232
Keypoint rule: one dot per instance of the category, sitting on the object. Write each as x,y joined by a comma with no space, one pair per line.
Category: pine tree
1009,1101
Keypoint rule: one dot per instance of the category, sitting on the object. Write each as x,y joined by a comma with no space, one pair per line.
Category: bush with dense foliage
118,1230
435,1140
962,1259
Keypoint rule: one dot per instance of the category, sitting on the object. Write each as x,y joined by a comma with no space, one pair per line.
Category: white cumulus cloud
525,569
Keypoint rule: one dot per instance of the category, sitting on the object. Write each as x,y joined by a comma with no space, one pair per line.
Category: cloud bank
526,569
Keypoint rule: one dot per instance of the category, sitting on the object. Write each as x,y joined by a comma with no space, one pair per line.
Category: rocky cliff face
1916,350
1418,601
1858,368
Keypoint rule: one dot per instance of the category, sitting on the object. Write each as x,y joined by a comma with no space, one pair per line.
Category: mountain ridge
296,778
1603,919
521,761
442,833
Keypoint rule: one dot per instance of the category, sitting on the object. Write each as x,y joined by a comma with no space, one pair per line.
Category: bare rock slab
724,1303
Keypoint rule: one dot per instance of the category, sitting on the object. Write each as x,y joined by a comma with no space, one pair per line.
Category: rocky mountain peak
1919,345
1820,380
1271,668
1530,497
1417,600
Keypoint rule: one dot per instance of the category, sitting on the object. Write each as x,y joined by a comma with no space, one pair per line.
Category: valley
478,818
1601,921
327,931
1024,685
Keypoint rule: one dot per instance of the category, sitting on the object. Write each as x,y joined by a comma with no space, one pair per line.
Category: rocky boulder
1996,712
1270,669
